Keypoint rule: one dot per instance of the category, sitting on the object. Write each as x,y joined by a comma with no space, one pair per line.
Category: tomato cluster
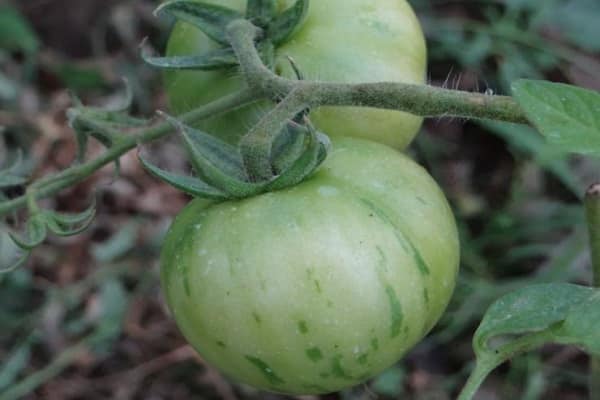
320,286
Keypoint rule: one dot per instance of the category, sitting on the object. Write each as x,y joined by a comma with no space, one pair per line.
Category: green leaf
288,22
260,12
187,184
35,233
559,309
219,58
79,78
113,301
15,31
222,155
118,245
211,19
390,382
582,325
306,164
568,116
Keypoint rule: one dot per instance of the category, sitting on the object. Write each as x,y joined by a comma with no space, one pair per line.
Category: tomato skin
317,287
366,41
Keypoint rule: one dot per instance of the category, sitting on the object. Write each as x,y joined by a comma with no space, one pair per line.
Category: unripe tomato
341,41
317,287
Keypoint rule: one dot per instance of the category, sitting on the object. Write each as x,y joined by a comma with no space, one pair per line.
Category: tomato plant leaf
568,116
187,184
260,12
314,154
559,309
211,19
219,58
16,32
113,303
288,22
582,325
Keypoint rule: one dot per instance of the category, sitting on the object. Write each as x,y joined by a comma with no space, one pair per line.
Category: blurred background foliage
84,319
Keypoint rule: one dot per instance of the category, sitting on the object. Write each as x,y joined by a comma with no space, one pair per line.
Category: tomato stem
592,208
54,183
421,100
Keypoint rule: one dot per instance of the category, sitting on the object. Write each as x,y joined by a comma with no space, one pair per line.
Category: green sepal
35,233
221,154
69,224
260,12
218,58
217,162
288,22
288,147
211,19
314,154
297,152
187,184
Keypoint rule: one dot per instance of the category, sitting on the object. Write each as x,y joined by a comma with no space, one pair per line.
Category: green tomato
317,287
341,41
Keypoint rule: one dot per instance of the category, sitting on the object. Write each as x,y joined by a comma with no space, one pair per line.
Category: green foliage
568,116
567,313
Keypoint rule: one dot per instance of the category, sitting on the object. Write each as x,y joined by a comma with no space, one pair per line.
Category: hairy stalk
422,100
52,184
256,145
592,208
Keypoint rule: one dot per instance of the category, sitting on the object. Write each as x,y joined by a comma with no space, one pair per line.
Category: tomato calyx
212,19
221,174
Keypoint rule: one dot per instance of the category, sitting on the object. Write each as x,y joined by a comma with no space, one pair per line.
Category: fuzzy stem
422,100
592,208
256,145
